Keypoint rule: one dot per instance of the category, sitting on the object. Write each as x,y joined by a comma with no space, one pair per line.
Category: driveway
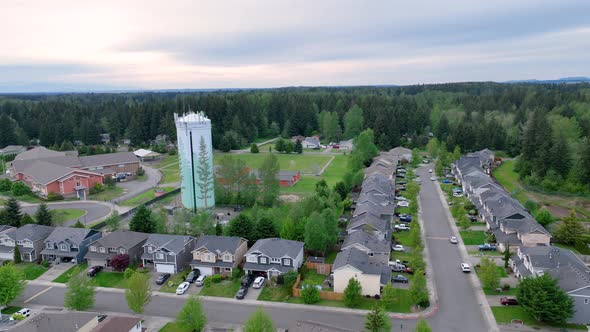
135,187
459,307
55,271
254,292
95,211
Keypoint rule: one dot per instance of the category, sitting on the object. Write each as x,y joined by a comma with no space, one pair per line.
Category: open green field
26,198
505,314
62,215
333,173
287,162
146,196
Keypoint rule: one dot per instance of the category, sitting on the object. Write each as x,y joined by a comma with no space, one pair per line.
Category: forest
548,125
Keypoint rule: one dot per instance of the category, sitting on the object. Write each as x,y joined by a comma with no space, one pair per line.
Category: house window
227,269
78,184
263,260
121,251
287,262
120,165
63,247
48,245
275,260
160,255
150,249
102,250
586,301
227,258
251,259
198,254
93,248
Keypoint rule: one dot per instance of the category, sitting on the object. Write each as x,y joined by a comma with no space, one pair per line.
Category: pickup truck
487,247
401,227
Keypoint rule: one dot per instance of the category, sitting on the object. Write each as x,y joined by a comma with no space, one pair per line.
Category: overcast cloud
68,45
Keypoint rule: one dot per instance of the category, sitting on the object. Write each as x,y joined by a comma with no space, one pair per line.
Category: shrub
582,247
310,294
531,206
172,152
140,171
216,278
6,262
120,262
505,287
18,316
208,282
20,189
236,273
128,273
45,264
5,185
54,196
377,296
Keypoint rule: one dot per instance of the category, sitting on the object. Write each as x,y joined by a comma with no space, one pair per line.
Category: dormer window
48,245
102,250
150,249
93,248
275,260
263,260
63,247
122,251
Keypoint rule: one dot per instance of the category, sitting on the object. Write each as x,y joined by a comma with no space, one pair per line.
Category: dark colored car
401,182
93,271
508,301
400,278
405,218
487,247
162,278
241,293
408,270
247,280
192,276
400,176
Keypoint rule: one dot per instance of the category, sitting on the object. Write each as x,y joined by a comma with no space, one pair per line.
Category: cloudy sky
73,45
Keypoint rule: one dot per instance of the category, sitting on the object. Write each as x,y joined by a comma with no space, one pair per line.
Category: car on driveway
430,170
192,276
508,301
403,204
405,217
401,198
447,181
487,247
258,282
162,278
400,278
182,288
247,280
200,280
454,240
465,268
93,271
401,227
398,247
241,293
26,312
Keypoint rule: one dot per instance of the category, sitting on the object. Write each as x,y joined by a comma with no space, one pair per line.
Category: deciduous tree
268,176
418,289
192,317
489,274
80,293
138,292
259,321
12,284
543,299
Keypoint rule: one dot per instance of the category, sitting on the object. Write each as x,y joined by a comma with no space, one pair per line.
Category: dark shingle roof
125,239
109,159
44,172
275,247
366,240
39,153
357,259
369,219
32,232
219,244
173,243
117,324
73,235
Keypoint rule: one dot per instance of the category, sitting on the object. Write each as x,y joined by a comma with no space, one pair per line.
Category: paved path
95,210
246,150
323,168
134,188
460,307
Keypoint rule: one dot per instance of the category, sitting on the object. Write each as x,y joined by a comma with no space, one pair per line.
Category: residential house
401,153
572,275
168,253
218,254
105,138
370,223
274,257
381,211
378,250
12,150
311,143
147,155
41,152
62,321
354,263
101,251
68,244
29,239
346,145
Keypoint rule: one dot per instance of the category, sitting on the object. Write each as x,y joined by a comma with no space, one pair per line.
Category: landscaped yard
26,198
108,194
172,327
62,215
473,237
74,270
501,271
146,196
226,288
31,271
505,314
110,279
511,292
174,280
402,237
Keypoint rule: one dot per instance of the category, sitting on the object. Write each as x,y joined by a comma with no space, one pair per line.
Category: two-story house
370,223
274,257
101,251
218,254
168,253
29,239
354,263
377,250
67,244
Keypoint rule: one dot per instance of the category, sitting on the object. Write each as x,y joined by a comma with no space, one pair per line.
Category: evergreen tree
570,230
7,130
242,226
204,173
27,219
298,147
377,321
78,224
507,255
268,175
12,213
265,229
43,215
142,221
353,293
254,148
218,229
16,256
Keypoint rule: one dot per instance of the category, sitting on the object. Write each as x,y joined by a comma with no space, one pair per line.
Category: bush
208,282
236,273
505,287
216,278
310,294
45,264
172,152
54,196
128,273
6,262
18,316
531,206
5,185
582,247
140,171
120,262
20,189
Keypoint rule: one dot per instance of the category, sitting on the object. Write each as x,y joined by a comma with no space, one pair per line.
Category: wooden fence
321,268
324,295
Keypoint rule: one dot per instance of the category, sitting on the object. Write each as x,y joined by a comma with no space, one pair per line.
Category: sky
73,45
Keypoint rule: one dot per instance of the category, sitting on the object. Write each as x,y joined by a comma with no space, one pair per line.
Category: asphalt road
459,309
135,187
94,211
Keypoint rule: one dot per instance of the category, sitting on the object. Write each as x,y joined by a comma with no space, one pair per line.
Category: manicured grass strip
10,310
402,237
172,327
486,253
501,271
473,237
63,215
74,270
26,198
108,194
31,271
170,174
225,288
505,314
110,279
146,196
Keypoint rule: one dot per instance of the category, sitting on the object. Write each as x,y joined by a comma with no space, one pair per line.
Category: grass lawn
110,279
402,256
26,198
331,257
170,174
172,327
166,162
305,186
108,194
146,196
175,280
501,271
62,215
314,278
511,292
473,237
10,310
31,271
486,253
226,288
287,162
335,172
402,238
74,270
506,175
505,314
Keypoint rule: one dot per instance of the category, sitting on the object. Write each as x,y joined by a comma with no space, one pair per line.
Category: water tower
195,152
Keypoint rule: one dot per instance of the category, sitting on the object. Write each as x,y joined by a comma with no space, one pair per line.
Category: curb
486,310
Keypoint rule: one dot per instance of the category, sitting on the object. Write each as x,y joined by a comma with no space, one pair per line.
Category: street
94,210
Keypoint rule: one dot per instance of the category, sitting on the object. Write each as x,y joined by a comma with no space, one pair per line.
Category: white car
258,282
401,198
454,240
403,203
398,247
430,170
465,268
433,178
24,311
418,180
401,227
182,288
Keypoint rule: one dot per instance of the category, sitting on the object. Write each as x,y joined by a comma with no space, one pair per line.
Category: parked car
408,270
400,176
454,240
430,170
93,271
405,217
487,247
200,280
465,268
447,181
401,182
182,288
472,218
457,194
241,293
24,312
247,280
258,282
398,247
192,276
400,278
403,204
401,198
162,278
433,178
418,180
401,227
508,301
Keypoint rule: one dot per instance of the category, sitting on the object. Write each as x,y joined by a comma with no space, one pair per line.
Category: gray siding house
101,251
67,244
218,254
29,239
274,256
168,253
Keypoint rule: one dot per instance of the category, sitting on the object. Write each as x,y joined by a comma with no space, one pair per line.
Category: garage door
6,256
165,268
205,270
